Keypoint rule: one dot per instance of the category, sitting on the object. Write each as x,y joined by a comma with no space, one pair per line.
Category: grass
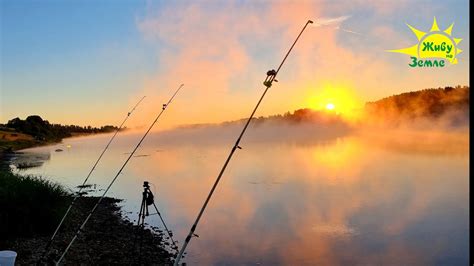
15,141
14,136
29,205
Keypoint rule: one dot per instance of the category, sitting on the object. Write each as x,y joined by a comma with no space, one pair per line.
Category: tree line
423,103
43,130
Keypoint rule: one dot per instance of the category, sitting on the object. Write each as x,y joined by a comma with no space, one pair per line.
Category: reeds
29,205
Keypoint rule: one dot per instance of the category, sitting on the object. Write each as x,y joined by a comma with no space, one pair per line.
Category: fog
446,134
307,186
262,132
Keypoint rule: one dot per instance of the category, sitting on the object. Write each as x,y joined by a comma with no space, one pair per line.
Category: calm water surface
351,200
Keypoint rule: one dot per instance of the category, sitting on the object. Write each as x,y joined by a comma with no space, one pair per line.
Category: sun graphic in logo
434,44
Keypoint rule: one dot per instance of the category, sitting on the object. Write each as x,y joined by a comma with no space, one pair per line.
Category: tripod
147,200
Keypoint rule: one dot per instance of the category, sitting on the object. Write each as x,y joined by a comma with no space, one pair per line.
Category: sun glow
335,99
330,106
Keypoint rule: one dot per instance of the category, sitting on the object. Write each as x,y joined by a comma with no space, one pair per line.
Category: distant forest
452,102
428,103
42,130
300,115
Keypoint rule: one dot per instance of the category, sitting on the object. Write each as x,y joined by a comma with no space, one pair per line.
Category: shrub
29,205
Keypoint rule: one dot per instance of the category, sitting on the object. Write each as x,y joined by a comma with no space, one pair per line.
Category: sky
88,62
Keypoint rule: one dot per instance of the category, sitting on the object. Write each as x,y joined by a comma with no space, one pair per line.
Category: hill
429,109
448,104
19,134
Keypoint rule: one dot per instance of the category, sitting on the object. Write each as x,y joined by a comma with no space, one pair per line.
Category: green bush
29,205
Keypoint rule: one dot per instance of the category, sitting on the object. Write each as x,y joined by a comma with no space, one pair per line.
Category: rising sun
332,98
330,106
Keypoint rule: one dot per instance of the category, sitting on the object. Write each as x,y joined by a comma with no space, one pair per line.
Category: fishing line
81,187
348,31
116,176
271,75
327,22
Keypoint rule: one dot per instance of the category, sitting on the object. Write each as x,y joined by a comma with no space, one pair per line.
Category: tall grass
29,205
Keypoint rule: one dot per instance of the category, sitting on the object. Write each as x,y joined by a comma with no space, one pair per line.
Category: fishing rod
271,75
78,195
116,176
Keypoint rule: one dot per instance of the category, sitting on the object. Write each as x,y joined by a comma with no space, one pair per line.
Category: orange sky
221,52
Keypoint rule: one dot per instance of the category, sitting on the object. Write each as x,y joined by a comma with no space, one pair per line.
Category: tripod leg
140,214
166,228
137,230
141,227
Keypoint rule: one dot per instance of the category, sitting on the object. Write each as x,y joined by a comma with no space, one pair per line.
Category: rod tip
310,21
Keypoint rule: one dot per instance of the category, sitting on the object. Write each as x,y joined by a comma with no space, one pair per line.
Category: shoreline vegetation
107,239
19,134
448,103
30,207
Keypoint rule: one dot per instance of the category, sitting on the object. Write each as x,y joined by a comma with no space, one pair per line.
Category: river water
353,199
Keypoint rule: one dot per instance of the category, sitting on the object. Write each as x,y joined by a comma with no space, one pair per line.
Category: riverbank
108,239
14,141
31,207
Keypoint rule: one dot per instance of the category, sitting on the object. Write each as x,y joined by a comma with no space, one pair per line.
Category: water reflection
351,200
24,160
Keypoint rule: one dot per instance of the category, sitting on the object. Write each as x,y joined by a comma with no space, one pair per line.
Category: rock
107,239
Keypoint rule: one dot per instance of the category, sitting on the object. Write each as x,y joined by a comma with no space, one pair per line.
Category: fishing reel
270,78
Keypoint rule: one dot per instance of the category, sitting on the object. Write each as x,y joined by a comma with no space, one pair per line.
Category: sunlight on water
355,199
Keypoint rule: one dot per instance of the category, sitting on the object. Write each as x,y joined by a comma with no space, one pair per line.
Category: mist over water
296,194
